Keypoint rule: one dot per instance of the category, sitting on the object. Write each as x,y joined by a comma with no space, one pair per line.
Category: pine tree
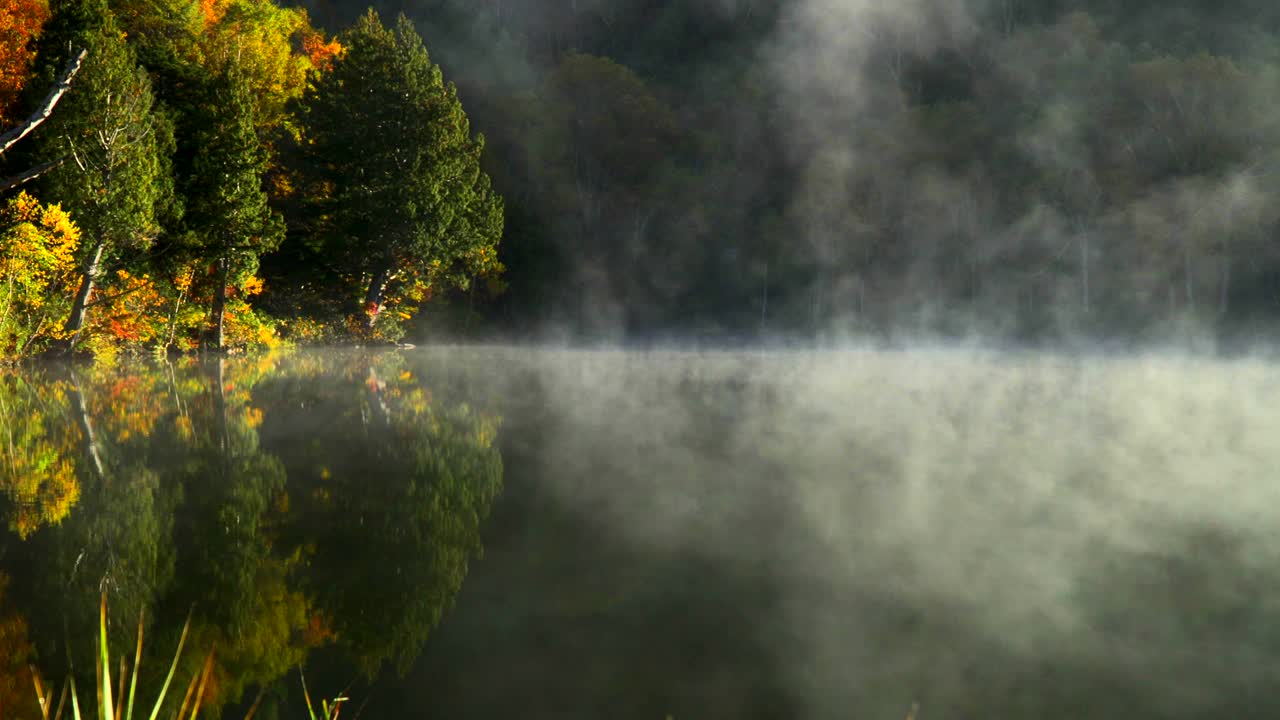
405,194
229,213
117,183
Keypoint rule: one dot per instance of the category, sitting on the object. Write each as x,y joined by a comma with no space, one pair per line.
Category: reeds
120,705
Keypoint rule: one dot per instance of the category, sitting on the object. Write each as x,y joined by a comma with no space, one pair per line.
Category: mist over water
720,534
990,534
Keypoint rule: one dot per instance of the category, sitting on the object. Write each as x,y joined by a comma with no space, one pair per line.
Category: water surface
502,532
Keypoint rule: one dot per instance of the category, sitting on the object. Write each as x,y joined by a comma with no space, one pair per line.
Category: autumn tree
118,183
20,22
405,199
38,246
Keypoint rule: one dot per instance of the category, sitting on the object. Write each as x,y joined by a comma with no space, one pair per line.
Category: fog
990,534
1038,170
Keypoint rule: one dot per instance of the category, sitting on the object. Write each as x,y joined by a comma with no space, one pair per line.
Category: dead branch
45,109
14,181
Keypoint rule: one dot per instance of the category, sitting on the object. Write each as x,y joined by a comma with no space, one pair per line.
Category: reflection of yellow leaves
41,484
406,376
182,424
253,417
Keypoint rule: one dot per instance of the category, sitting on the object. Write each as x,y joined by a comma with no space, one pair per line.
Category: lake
539,533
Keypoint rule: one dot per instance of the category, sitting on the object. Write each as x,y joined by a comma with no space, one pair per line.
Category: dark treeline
699,169
730,168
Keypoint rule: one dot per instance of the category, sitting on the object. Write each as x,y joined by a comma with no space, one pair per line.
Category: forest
235,174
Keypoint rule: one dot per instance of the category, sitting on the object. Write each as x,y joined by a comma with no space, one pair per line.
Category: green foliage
229,209
117,185
398,178
281,548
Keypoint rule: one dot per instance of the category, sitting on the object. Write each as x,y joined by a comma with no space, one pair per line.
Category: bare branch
13,181
42,112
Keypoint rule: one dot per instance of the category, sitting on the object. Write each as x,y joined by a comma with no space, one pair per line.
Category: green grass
120,704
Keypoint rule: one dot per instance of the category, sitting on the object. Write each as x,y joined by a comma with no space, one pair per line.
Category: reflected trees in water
288,503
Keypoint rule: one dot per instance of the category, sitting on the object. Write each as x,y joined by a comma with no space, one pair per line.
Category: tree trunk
86,428
80,308
220,407
373,298
219,307
173,321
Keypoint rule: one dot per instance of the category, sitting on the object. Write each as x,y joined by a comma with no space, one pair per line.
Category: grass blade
40,696
62,702
186,699
204,678
253,709
306,695
75,700
173,667
124,669
133,683
97,683
104,660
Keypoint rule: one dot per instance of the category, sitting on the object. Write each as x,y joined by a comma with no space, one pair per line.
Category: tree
20,21
406,198
229,207
37,271
34,120
119,183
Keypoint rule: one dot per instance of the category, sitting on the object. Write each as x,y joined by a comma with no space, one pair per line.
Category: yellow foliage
245,327
38,272
252,286
37,473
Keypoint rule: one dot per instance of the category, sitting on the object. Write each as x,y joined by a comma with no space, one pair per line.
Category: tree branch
42,112
13,181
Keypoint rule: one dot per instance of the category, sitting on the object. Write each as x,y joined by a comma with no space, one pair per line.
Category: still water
491,532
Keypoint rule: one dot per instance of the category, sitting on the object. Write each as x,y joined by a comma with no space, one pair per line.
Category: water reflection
728,535
290,504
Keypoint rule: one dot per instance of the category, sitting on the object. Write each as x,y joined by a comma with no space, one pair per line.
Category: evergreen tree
405,195
117,182
229,213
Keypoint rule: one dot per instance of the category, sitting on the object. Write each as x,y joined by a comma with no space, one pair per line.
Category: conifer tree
117,183
405,195
229,213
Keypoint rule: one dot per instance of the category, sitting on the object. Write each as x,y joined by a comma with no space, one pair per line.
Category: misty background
841,534
738,169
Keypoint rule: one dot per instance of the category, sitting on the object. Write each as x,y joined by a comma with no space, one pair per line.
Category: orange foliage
212,11
15,651
20,21
133,310
321,53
